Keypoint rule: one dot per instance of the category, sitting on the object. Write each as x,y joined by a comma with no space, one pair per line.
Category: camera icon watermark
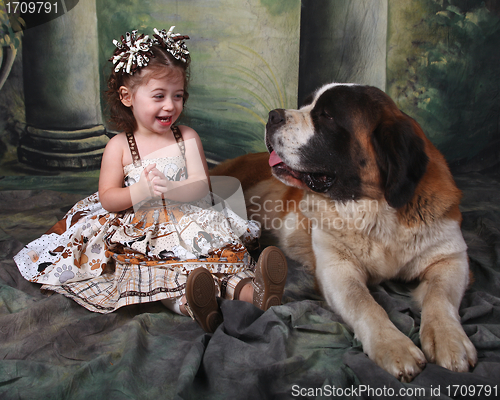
306,214
167,178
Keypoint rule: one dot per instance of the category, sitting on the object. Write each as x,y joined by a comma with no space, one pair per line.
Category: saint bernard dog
354,190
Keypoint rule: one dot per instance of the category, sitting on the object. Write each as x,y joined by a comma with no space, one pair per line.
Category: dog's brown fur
404,197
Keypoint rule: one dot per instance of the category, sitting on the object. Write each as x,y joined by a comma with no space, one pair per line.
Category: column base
68,150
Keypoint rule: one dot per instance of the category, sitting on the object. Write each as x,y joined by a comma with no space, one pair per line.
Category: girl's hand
143,190
159,183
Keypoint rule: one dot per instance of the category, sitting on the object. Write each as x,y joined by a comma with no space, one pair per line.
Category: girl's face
157,104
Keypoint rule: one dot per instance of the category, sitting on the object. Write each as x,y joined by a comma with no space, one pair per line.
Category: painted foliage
443,69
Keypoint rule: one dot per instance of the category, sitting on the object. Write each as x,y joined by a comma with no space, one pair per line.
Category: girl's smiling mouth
164,120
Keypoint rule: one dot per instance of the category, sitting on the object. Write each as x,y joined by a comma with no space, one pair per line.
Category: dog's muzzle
317,182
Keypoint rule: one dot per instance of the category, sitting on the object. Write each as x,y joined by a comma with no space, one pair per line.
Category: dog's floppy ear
401,159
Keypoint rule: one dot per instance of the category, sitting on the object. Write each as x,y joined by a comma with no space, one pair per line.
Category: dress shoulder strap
134,151
180,141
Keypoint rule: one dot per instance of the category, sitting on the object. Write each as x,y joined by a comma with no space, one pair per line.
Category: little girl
151,232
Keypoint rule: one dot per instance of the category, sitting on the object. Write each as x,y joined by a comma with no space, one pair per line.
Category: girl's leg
246,293
264,289
176,304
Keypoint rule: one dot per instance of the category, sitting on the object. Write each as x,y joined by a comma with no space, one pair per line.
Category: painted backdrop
244,61
437,58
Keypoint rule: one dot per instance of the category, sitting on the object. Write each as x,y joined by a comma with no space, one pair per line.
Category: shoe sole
200,295
275,277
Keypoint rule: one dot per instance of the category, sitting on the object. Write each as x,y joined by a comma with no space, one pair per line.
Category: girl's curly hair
163,64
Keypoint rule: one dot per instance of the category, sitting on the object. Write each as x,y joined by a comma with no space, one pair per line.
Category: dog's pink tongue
274,159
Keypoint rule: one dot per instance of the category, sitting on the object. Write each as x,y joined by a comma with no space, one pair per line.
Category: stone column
342,41
61,89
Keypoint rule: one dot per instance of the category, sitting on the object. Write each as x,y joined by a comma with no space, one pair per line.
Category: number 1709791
471,390
31,7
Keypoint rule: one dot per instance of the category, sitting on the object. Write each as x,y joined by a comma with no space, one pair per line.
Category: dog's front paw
445,343
397,354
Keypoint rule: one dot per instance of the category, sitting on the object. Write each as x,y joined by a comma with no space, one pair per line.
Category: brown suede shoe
201,301
270,278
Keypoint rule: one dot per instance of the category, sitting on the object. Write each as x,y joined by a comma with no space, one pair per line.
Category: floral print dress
106,260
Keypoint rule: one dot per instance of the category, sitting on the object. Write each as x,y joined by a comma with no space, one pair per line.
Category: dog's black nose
276,117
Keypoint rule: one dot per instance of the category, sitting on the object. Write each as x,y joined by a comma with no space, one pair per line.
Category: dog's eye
326,115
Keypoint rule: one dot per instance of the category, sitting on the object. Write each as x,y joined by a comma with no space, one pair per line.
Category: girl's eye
159,96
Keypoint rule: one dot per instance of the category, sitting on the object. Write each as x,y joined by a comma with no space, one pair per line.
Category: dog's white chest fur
369,233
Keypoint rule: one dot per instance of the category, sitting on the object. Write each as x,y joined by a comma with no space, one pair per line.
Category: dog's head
348,142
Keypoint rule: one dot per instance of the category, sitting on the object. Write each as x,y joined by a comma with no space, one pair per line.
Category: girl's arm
112,195
198,183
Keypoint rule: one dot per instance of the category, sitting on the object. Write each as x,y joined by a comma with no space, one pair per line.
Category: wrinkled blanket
51,348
